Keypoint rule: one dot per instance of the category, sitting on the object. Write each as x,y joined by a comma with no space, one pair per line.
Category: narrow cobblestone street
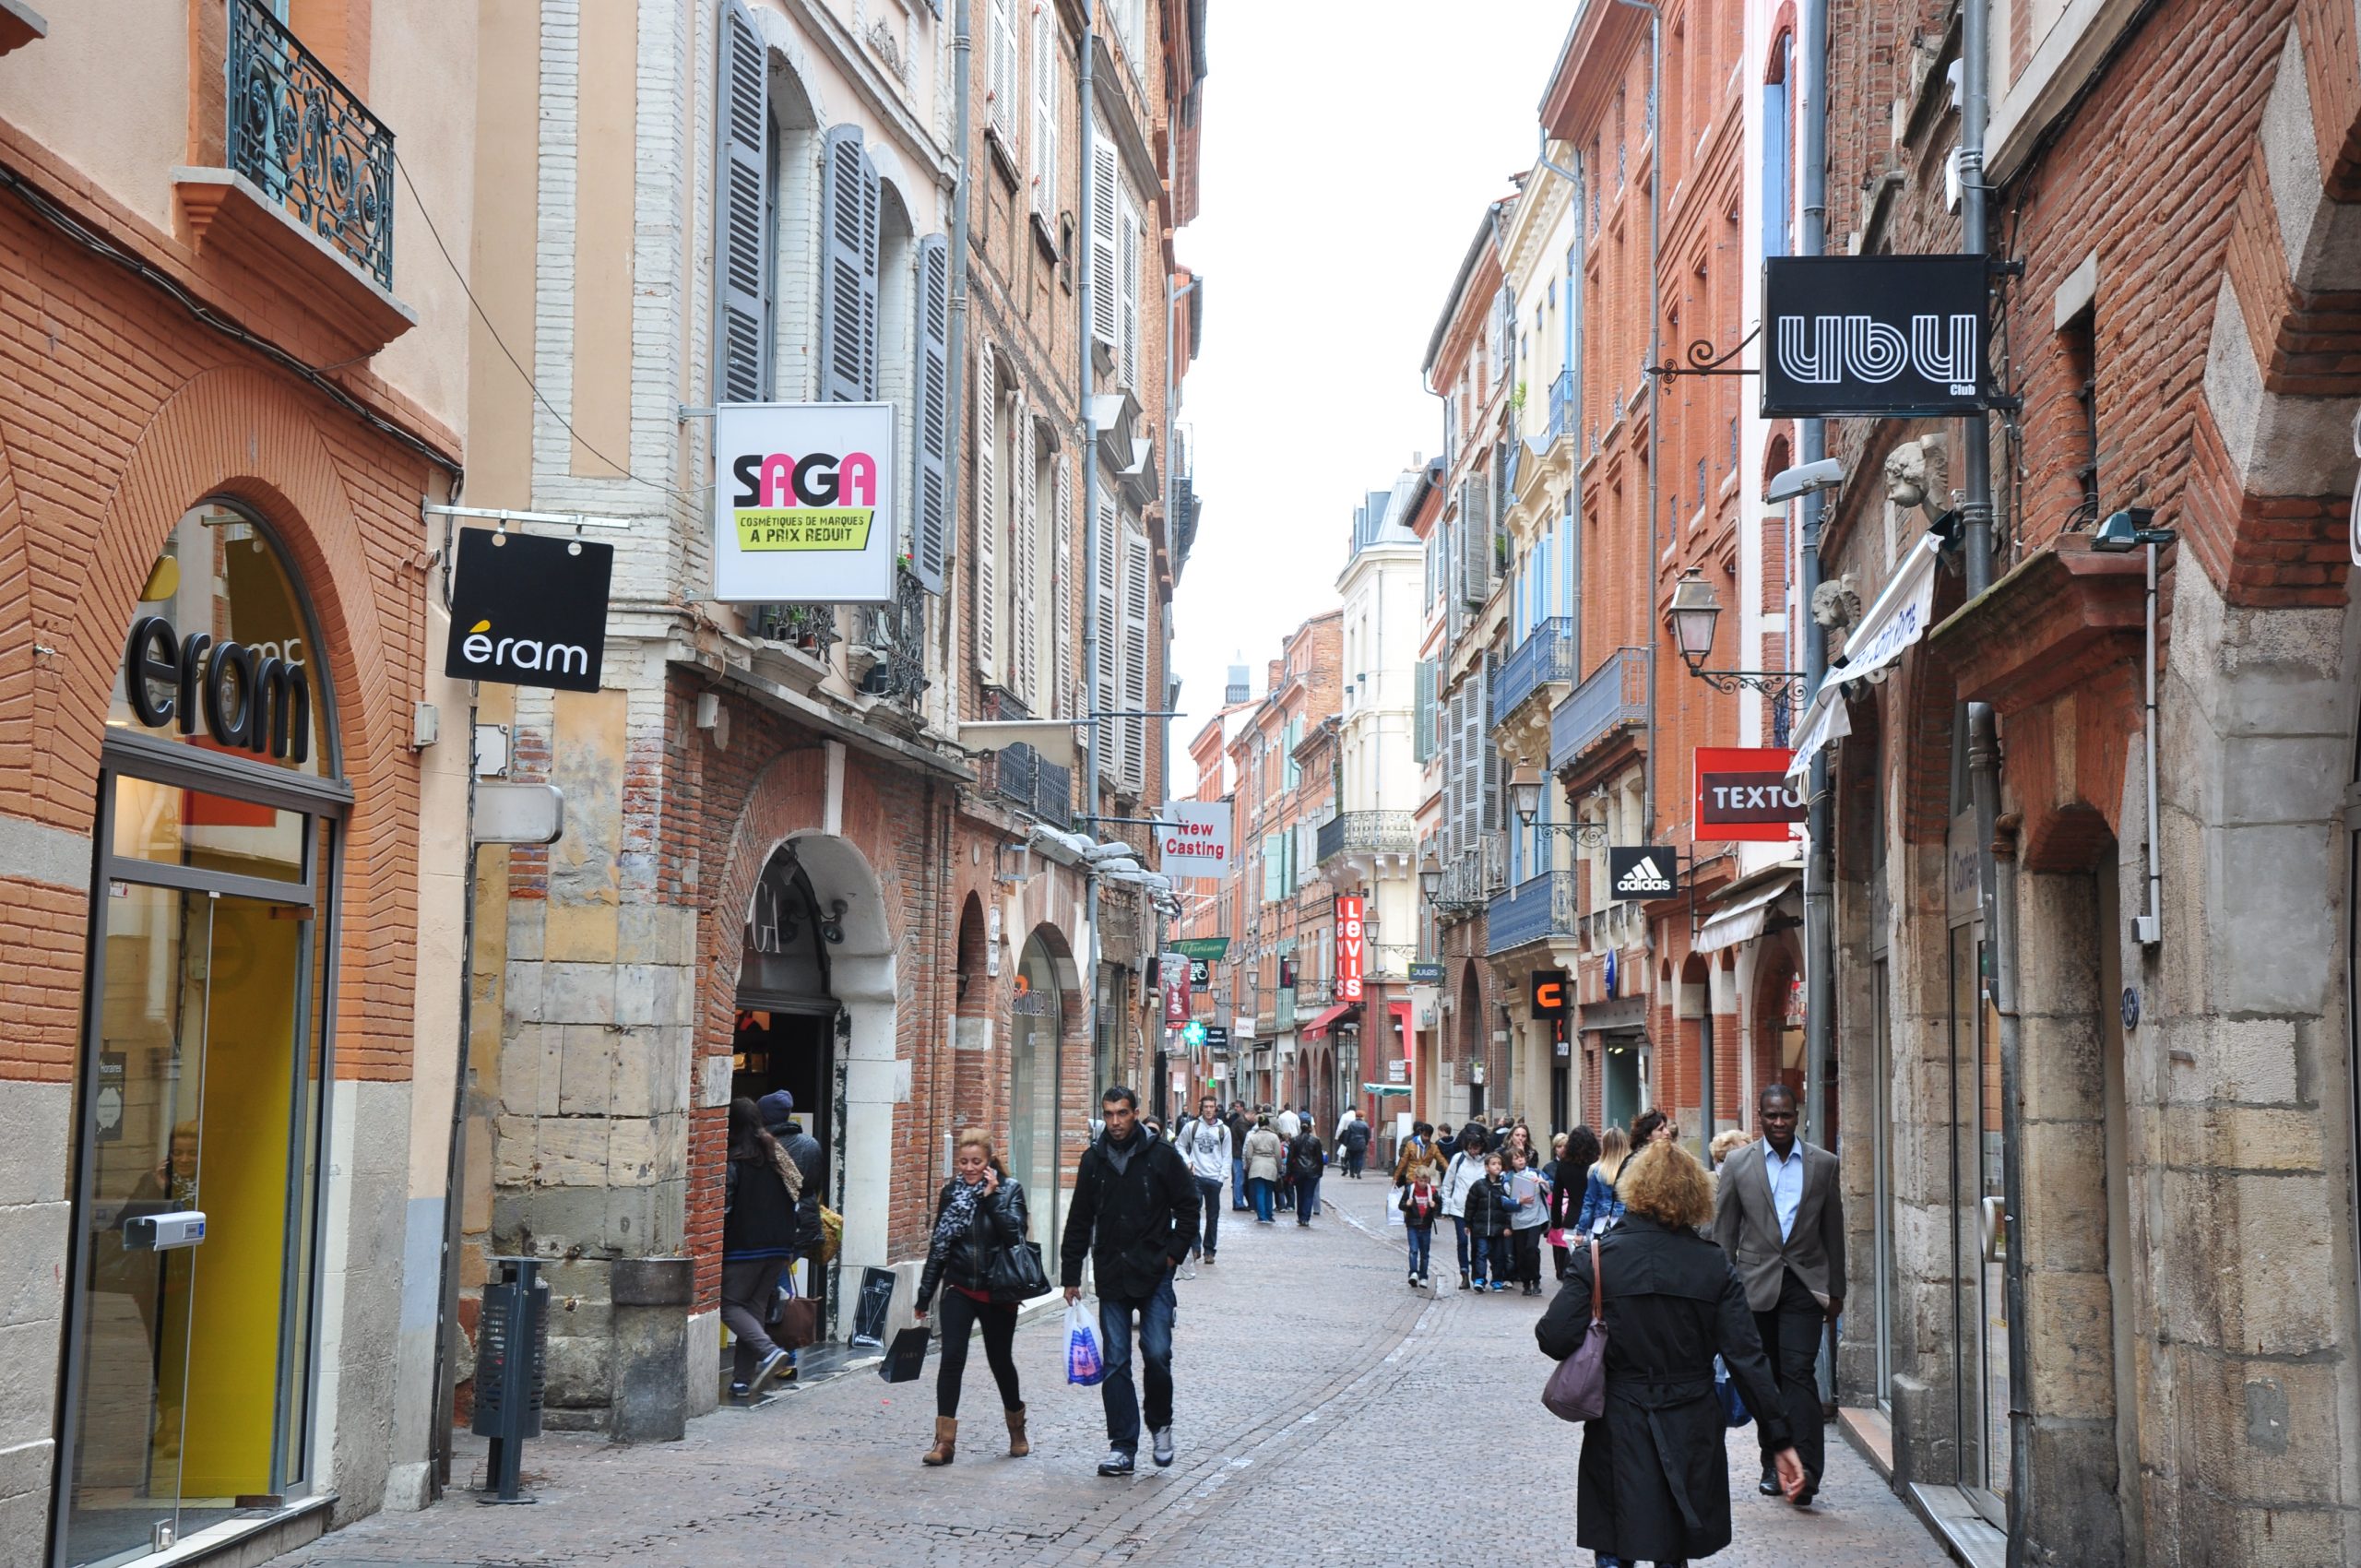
1325,1412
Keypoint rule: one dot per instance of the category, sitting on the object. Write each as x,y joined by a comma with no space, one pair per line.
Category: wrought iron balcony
893,639
811,628
1535,910
1367,833
1042,788
1547,654
307,142
1561,405
1615,698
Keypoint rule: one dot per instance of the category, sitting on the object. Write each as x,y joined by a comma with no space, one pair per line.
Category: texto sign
1195,838
1745,793
1352,947
1873,334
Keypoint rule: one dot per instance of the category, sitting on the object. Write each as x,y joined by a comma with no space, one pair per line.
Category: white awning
1743,920
1897,619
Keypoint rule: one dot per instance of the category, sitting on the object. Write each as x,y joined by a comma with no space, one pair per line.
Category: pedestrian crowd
1692,1297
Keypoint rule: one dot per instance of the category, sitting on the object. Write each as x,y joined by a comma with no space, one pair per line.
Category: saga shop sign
806,504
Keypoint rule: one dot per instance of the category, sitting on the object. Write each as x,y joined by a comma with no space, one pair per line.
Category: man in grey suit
1779,1214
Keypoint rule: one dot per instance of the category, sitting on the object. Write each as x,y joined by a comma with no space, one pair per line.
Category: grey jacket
1746,1223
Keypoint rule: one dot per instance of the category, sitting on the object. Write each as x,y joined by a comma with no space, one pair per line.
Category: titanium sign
806,504
1194,837
1876,336
529,612
1744,793
1352,947
1642,871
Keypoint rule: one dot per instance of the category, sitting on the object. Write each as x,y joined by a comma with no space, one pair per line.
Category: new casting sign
1873,334
806,504
529,612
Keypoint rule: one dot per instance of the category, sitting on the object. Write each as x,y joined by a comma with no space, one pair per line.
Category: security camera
1802,479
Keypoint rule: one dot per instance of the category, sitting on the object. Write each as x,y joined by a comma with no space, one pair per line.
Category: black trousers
1526,1247
1791,1334
960,1315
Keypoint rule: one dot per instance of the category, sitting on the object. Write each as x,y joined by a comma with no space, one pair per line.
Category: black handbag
906,1357
1015,1272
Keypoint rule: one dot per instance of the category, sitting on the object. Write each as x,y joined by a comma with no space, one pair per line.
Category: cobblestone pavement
1322,1415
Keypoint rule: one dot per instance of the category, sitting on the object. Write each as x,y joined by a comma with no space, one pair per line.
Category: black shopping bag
904,1357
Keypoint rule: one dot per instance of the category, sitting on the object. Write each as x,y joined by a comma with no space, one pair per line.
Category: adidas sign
1644,872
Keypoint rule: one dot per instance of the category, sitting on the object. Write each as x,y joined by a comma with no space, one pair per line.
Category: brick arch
249,436
974,991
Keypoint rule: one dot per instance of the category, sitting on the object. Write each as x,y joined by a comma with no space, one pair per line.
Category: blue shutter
741,208
848,200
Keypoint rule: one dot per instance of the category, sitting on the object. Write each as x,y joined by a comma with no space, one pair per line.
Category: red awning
1319,1026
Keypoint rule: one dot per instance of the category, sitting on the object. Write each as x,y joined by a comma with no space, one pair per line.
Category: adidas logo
1644,878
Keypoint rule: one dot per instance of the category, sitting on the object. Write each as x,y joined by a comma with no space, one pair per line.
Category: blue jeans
1209,1190
1238,1184
1155,1349
1261,1188
1491,1253
1422,1240
1307,1198
1459,1231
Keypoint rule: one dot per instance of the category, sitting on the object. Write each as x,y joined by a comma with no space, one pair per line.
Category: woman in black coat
1655,1482
979,1214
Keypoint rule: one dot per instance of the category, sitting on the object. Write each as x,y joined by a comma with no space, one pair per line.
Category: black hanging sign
1873,336
529,612
1642,871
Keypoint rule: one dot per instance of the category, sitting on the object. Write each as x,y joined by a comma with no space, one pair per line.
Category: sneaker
1498,1286
1117,1463
738,1392
770,1368
1162,1438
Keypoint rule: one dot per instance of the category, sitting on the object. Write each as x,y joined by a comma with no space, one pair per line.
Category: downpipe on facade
963,52
1086,387
1820,974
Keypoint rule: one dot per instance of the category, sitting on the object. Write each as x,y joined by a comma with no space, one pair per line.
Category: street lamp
1431,878
1692,617
1524,796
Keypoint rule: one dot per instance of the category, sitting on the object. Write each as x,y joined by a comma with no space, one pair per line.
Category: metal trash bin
512,1362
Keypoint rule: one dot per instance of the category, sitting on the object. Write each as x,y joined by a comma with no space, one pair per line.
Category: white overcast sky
1348,151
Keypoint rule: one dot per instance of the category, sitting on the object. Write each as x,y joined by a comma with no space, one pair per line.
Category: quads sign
529,612
805,503
247,699
1873,334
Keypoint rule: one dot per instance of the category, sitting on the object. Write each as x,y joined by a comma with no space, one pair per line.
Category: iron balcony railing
1561,405
1367,832
895,637
1613,699
1547,654
307,142
1473,875
1533,910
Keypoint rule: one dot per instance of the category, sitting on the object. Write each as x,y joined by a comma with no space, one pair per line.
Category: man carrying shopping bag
1136,1209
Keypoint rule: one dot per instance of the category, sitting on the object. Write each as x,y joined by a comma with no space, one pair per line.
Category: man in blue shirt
1779,1213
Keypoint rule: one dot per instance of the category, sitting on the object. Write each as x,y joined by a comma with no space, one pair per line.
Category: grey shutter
741,244
931,551
987,516
1104,222
1108,733
1471,764
1135,660
1490,765
1059,689
1023,564
1450,771
848,199
1475,542
1045,114
1127,260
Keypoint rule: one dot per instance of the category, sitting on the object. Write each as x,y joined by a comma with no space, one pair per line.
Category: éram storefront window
196,1145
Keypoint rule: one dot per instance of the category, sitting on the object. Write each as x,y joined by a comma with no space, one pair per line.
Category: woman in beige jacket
1263,1148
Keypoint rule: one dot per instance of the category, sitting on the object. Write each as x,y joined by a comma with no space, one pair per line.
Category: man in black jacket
1136,1211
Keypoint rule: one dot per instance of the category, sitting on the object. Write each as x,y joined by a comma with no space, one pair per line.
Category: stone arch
973,988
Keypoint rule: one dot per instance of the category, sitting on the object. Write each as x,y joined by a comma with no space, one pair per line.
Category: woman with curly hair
1653,1478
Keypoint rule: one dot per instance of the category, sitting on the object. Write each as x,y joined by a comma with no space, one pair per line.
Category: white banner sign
1194,837
806,504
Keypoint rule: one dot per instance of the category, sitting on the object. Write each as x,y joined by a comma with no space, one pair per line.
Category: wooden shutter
1104,222
1060,685
1136,668
1045,112
987,516
931,543
741,244
1449,829
1024,566
848,201
1471,763
1108,732
1475,541
1127,262
1000,68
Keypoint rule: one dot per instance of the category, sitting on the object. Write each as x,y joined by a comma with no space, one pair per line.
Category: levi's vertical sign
806,504
1873,334
1743,792
529,612
1352,947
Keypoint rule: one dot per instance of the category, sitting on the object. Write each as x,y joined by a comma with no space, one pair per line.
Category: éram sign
1352,947
806,504
529,612
1877,336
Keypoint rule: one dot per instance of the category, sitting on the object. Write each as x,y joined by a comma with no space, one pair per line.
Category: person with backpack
1204,1142
979,1214
760,1188
1353,1143
1490,1206
1420,1201
1419,1148
1306,1158
1465,1168
1134,1215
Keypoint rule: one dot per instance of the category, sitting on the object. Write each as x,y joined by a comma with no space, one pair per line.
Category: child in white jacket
1466,1168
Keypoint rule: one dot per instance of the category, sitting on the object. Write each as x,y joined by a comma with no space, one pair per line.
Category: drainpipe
1655,356
955,380
1094,700
1820,955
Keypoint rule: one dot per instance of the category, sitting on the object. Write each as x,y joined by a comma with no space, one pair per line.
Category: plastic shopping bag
1086,1365
1734,1410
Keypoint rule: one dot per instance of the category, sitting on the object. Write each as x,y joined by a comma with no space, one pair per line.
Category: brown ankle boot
947,1441
1018,1445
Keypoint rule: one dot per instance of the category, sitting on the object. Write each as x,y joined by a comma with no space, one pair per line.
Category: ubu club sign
1873,334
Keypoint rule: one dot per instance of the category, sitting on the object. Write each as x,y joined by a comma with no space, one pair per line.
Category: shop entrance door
196,1149
1980,1232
